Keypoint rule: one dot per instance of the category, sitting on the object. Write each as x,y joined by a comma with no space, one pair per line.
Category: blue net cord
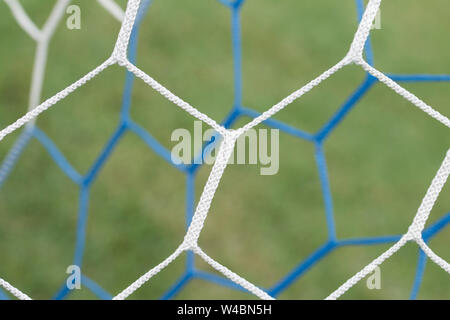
126,124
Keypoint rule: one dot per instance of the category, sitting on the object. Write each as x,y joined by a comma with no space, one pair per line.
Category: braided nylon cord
414,232
42,38
190,242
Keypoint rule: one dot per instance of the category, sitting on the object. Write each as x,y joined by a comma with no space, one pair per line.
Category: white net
190,241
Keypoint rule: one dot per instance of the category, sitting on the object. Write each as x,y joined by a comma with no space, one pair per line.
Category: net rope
124,54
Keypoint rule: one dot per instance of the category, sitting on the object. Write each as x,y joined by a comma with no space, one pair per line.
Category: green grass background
381,159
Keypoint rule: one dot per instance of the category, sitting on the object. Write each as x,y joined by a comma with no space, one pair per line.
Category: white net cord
190,242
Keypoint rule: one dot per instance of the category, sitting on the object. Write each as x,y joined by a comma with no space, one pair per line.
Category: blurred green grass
381,159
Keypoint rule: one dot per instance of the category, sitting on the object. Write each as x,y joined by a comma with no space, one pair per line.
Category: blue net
127,125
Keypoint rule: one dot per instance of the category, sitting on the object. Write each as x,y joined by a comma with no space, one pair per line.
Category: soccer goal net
124,55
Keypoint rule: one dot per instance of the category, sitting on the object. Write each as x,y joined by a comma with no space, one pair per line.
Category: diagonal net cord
414,232
355,55
193,233
13,290
113,8
42,37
